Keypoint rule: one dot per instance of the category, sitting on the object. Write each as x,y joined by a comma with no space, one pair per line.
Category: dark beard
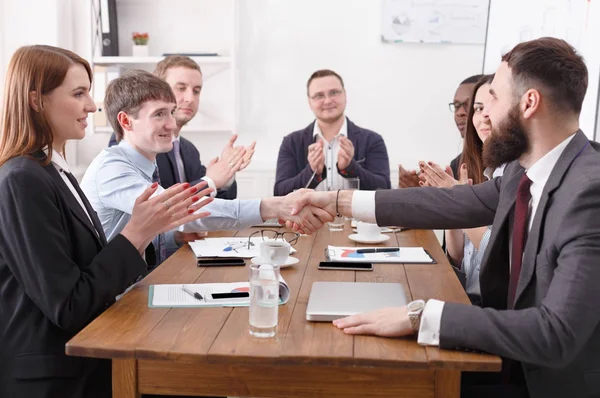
507,141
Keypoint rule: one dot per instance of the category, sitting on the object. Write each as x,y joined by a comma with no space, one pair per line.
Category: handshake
305,210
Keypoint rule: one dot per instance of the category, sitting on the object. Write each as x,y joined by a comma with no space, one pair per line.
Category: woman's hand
432,175
164,212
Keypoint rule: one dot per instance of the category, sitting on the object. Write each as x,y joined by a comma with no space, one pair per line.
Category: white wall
51,24
577,22
398,90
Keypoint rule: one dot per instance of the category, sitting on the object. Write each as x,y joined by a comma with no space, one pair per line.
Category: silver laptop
333,300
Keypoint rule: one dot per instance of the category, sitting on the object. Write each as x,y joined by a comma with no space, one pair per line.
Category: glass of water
264,300
337,224
351,184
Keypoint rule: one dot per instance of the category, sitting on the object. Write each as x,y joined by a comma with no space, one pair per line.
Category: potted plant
140,44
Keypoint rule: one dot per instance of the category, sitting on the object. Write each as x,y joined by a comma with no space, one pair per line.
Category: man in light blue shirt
140,109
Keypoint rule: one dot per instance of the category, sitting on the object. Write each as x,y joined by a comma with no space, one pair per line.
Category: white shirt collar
176,138
343,129
491,173
60,162
540,171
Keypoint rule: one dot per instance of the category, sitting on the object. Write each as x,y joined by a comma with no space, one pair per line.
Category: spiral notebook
408,255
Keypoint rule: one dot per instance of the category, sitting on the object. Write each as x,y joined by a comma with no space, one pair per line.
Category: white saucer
290,261
360,239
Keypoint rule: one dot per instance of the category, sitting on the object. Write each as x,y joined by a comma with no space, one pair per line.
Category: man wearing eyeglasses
460,108
332,148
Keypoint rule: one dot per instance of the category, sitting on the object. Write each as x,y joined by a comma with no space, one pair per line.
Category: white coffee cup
367,230
275,252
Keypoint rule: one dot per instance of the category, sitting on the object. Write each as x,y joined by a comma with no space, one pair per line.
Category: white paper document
408,255
228,247
173,295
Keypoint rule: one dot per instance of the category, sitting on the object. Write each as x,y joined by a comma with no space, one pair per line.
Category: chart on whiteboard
434,21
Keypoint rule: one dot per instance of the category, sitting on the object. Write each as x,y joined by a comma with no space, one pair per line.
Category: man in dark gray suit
540,276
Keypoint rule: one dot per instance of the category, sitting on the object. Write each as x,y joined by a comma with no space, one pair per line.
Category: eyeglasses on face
320,96
455,106
269,234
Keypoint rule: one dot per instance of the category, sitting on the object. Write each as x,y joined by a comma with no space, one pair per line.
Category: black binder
110,35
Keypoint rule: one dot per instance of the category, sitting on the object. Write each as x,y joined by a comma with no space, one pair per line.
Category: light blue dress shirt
119,174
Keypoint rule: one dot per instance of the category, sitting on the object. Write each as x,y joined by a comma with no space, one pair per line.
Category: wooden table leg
447,384
125,378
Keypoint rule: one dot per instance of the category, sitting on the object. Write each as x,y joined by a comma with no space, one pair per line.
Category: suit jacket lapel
494,274
74,205
183,151
165,170
173,162
575,147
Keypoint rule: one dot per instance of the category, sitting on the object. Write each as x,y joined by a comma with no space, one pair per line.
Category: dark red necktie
519,236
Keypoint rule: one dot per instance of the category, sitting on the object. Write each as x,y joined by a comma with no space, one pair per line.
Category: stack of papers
228,247
409,255
173,295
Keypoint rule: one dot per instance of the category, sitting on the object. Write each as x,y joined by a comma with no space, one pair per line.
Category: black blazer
371,163
56,275
194,169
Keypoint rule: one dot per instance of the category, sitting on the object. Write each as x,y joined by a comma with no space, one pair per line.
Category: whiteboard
576,21
434,21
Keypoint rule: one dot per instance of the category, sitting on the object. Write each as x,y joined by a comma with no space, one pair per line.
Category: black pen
383,250
193,294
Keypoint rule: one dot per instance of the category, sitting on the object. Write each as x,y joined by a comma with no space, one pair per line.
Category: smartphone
221,262
351,266
230,295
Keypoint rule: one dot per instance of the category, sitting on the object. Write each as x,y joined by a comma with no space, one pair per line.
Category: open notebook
172,295
408,255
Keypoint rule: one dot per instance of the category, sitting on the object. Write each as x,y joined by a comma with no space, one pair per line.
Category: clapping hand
164,212
432,175
316,158
248,156
407,178
346,153
222,169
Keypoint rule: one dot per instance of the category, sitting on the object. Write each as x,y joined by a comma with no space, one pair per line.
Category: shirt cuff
363,206
211,184
429,331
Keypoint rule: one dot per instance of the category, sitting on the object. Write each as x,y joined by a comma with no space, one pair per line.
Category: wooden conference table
208,351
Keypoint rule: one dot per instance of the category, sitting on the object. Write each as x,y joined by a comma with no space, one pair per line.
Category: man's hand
221,170
345,154
186,237
434,176
308,218
321,200
407,178
316,158
248,156
386,322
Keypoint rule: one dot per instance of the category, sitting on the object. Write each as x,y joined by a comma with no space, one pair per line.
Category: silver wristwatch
415,308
